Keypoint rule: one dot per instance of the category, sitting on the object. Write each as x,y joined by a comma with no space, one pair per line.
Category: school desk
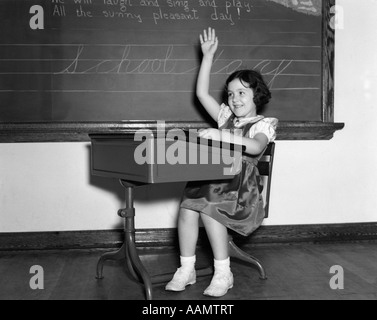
149,157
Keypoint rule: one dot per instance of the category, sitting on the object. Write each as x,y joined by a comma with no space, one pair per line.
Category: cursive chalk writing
166,64
124,65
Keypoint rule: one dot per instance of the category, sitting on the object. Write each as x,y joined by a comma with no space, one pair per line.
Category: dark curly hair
254,80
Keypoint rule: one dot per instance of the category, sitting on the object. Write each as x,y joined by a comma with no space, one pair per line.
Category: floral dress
236,203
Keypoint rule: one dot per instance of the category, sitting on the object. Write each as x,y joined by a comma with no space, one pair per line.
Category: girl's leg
218,237
222,280
188,231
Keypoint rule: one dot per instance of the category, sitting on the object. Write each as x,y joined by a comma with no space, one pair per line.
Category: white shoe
181,280
220,285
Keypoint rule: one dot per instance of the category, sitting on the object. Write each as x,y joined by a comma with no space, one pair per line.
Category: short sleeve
267,126
224,114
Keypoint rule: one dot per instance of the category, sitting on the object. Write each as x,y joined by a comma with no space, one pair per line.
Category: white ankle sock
222,266
188,263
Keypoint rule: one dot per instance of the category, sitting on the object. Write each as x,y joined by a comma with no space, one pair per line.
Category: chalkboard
114,60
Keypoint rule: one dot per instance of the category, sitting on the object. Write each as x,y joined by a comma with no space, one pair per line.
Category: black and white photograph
190,156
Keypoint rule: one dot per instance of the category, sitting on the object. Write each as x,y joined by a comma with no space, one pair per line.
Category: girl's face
241,100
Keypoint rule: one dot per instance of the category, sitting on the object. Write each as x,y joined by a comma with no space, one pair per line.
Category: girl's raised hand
209,42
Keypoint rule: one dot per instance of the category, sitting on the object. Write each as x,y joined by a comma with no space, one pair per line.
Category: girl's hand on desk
209,42
210,134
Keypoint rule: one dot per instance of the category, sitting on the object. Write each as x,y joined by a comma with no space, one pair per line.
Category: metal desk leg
133,256
117,255
128,250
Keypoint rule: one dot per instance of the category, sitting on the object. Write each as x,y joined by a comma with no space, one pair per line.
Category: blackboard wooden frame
287,130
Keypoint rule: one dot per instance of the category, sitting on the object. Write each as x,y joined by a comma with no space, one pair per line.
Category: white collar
240,122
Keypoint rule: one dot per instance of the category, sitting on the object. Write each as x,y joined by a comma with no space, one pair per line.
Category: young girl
236,203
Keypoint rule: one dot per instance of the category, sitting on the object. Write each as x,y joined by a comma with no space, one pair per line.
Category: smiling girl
237,203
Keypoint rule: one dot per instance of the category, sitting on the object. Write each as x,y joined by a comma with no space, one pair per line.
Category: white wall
48,187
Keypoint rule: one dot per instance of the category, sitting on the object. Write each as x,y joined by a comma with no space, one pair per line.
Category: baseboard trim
163,238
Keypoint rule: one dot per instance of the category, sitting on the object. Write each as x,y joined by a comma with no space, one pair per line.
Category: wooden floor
299,272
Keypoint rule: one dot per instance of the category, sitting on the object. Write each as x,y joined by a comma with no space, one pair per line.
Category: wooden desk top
157,157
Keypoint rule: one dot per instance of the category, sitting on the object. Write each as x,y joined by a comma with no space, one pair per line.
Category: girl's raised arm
209,43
